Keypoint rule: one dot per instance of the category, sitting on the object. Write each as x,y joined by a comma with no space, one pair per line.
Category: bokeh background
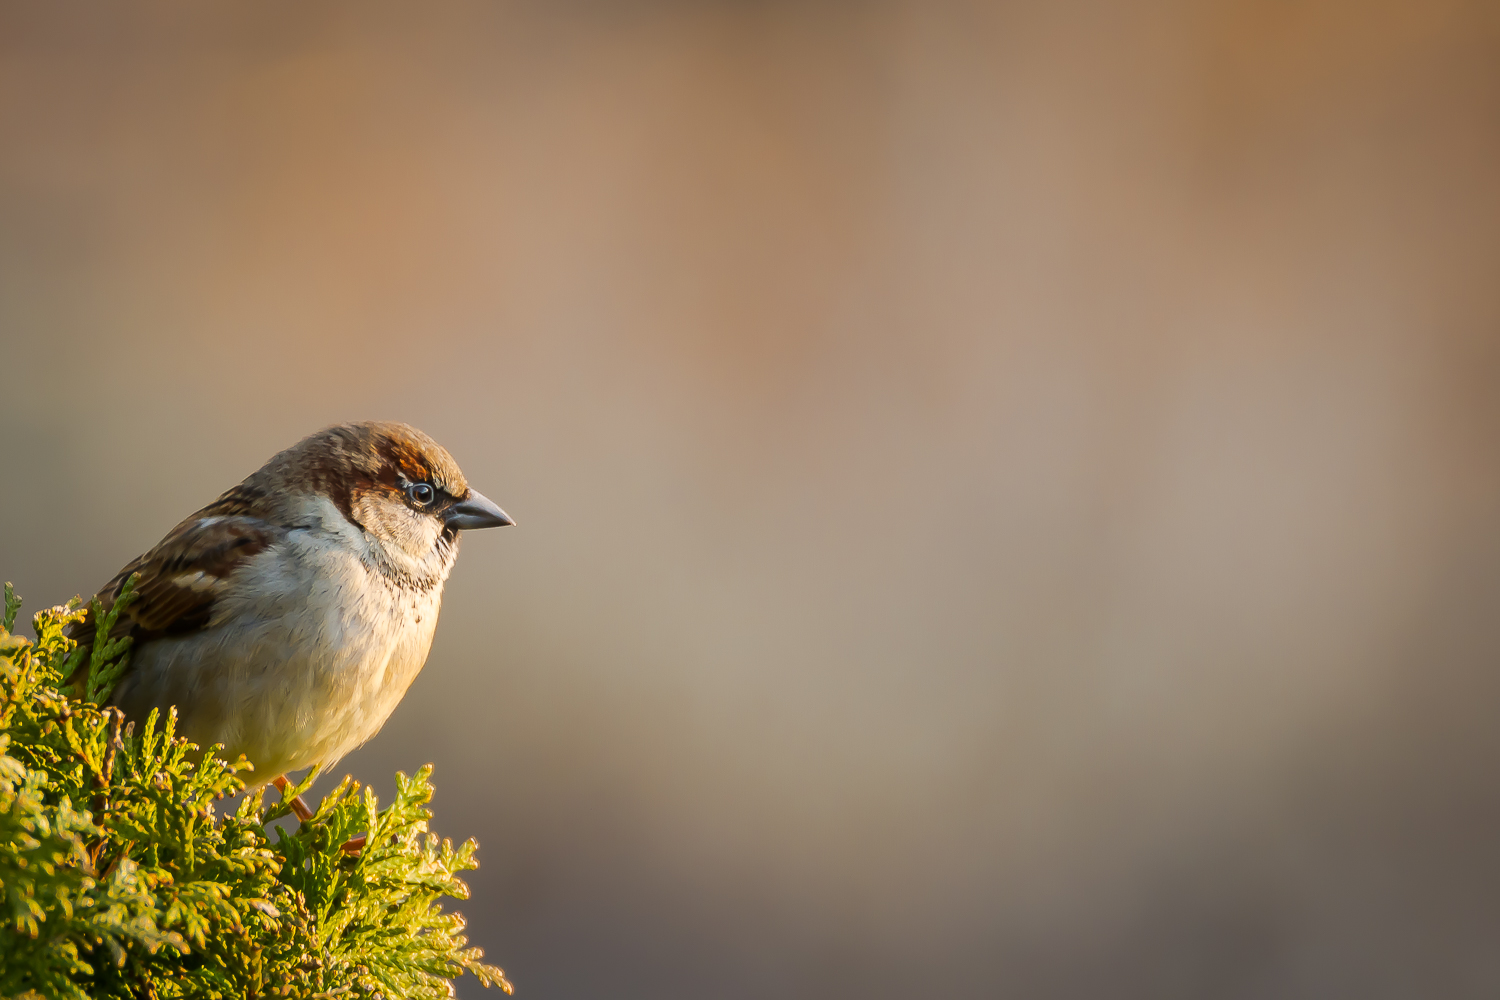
1007,492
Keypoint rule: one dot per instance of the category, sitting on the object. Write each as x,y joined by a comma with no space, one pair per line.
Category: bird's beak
477,511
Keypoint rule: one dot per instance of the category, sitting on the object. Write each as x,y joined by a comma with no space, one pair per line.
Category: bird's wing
185,574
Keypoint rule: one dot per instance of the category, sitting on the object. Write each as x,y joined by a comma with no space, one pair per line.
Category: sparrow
286,619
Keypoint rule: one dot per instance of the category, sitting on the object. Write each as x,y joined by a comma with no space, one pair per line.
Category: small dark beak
478,511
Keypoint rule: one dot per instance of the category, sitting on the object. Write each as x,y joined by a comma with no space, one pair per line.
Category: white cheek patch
404,534
392,533
416,534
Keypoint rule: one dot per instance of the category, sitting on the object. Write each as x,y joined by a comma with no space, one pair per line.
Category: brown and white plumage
286,619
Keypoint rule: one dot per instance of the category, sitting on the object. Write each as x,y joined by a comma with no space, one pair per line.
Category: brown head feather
349,458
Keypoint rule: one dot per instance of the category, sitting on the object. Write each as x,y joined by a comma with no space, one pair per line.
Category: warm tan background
1008,493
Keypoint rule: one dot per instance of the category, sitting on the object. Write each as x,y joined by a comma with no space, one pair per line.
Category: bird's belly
289,683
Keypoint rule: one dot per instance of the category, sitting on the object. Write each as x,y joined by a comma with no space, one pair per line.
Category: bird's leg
298,806
353,845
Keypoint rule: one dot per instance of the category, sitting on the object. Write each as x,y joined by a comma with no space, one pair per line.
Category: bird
285,620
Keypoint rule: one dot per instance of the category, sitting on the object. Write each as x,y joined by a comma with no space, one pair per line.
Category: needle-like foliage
119,879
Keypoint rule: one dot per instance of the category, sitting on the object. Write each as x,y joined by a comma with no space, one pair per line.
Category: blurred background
1007,492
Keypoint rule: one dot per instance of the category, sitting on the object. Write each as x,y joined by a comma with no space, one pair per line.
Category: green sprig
108,659
12,606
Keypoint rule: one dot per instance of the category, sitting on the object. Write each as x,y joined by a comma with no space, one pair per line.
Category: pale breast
306,656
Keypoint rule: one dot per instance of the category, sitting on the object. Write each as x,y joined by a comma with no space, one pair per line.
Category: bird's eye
421,494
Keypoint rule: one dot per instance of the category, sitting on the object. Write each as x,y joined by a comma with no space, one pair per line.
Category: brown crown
346,459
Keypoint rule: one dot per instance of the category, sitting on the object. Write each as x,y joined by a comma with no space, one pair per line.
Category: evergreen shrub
119,879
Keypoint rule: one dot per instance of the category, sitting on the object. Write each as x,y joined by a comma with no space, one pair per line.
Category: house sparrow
286,619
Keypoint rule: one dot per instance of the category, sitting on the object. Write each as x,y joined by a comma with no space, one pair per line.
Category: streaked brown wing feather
182,577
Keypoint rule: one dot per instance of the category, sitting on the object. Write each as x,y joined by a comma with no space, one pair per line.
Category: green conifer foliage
119,879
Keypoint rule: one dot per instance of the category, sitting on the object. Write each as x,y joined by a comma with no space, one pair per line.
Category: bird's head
392,482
